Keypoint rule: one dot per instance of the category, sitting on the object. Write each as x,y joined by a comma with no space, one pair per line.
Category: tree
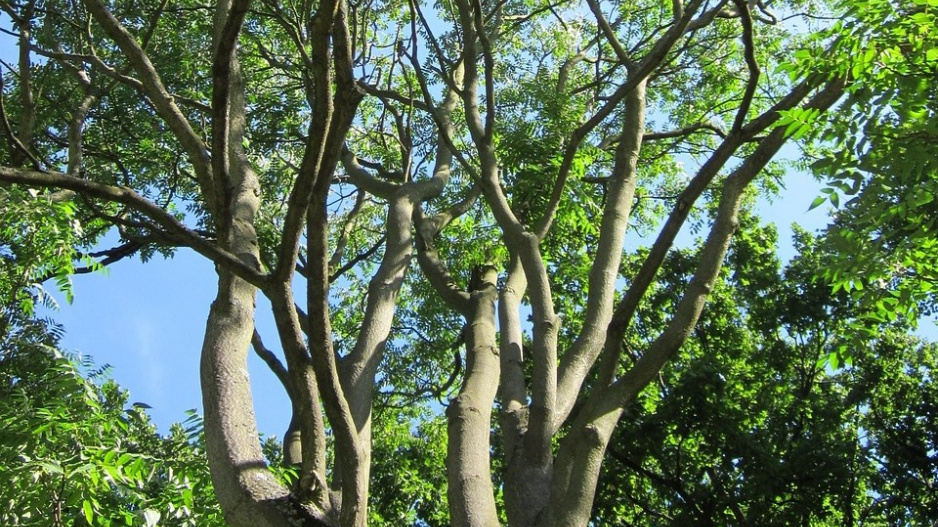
505,145
751,425
72,452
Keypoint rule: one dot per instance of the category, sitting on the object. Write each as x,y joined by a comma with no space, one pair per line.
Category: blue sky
147,320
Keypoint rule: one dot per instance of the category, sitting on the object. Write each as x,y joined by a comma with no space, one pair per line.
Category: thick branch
469,471
638,74
577,362
684,203
224,62
334,98
303,389
349,457
365,181
711,258
580,458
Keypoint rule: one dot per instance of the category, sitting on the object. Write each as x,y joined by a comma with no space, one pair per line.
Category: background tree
506,145
73,452
751,425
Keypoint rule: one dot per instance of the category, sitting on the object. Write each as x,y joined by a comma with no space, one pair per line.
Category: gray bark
247,491
578,361
580,457
469,471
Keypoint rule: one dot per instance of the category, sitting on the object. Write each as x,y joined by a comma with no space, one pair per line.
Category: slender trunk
579,360
27,100
247,491
304,396
469,471
359,368
581,452
349,481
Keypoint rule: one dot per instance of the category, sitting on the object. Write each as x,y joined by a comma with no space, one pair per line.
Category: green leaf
88,511
818,201
834,360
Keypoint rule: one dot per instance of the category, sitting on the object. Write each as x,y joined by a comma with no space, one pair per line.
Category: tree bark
469,471
247,491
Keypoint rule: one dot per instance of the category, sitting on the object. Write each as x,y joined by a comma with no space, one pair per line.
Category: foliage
450,184
72,452
408,486
37,238
881,157
750,427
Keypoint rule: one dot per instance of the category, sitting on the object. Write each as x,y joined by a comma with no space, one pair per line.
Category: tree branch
161,99
610,35
636,75
683,132
642,280
135,201
580,458
272,362
222,64
745,16
577,362
14,140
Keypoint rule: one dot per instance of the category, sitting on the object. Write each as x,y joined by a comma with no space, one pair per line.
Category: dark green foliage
408,480
751,426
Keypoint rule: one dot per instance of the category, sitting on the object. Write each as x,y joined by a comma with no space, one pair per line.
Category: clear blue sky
147,320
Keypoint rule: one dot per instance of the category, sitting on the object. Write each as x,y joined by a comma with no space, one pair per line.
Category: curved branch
745,16
360,257
161,99
639,74
365,181
272,362
439,277
224,62
126,196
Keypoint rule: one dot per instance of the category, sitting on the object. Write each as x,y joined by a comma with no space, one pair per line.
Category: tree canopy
434,199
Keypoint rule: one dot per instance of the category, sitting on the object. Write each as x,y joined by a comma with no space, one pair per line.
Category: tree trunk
469,471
